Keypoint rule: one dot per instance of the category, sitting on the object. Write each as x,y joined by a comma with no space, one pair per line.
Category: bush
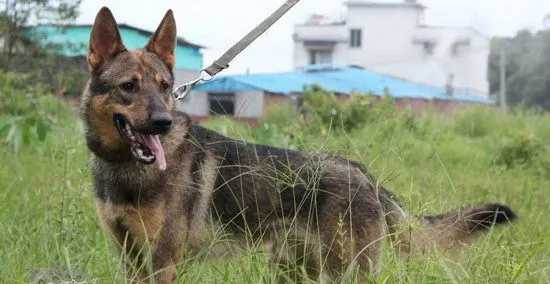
55,73
475,121
324,110
27,111
520,149
321,108
356,111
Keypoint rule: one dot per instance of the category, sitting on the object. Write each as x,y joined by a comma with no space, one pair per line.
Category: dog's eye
127,87
165,86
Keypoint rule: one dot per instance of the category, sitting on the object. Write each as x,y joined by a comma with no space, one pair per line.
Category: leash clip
182,91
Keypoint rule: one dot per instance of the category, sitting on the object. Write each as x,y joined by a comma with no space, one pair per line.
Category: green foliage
475,122
520,149
21,49
27,111
321,107
325,112
527,72
16,14
57,74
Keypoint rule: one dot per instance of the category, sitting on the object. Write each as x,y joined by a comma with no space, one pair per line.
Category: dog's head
128,101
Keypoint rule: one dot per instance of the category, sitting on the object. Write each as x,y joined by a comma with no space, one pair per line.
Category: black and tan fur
317,211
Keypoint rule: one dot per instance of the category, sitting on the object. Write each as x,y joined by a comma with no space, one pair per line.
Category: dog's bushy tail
447,231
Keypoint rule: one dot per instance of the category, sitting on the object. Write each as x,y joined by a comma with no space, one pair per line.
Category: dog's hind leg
352,238
294,260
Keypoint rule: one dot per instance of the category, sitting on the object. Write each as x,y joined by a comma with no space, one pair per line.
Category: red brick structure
418,106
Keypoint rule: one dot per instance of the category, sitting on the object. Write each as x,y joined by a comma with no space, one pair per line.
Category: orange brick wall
271,100
442,107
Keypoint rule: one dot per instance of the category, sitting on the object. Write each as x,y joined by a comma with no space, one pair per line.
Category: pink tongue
153,142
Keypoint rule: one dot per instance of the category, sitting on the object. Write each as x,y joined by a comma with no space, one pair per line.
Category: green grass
48,222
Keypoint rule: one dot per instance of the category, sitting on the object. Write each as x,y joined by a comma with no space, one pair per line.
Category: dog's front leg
149,242
167,250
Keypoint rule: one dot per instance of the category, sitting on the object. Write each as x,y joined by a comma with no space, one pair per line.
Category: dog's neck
131,183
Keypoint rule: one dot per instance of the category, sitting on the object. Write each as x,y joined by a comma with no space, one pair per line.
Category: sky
218,24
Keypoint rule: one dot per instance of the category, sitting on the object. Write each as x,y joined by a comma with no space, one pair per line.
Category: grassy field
48,225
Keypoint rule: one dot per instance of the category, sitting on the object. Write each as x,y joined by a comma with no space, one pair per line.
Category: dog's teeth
140,153
129,133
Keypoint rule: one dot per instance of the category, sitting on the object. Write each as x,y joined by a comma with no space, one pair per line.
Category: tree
21,49
527,70
18,13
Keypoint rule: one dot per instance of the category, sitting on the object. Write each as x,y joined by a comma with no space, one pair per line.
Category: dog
165,185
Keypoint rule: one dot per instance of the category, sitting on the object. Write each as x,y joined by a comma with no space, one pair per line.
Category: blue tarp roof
339,79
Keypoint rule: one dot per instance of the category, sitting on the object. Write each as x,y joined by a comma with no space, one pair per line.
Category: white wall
388,47
194,104
248,104
336,32
387,34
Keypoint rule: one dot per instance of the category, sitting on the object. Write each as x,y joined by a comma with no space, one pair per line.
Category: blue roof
75,41
338,79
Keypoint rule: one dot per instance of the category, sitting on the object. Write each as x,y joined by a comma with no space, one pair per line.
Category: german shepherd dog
164,185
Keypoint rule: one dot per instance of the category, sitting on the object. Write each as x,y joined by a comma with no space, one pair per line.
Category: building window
355,38
320,56
221,103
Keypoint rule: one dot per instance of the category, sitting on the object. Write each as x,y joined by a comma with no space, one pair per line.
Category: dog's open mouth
146,148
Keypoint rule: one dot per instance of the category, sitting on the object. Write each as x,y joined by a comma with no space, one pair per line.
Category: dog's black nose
161,122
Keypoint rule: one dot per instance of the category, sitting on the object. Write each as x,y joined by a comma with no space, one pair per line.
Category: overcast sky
218,24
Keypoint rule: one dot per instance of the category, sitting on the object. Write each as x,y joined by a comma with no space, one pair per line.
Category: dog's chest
142,223
127,185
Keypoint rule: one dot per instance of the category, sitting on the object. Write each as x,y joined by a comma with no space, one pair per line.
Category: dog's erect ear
164,40
105,40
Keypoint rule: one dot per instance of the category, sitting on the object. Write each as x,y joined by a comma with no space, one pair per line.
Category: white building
393,39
